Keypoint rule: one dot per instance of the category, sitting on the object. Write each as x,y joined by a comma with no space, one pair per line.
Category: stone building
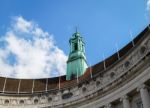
120,81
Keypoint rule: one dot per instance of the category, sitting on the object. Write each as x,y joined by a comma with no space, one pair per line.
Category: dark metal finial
76,29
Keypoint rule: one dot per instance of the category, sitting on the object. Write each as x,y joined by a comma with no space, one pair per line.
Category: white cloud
30,52
22,25
148,5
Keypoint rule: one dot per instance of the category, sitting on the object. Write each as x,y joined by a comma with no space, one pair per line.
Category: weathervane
76,29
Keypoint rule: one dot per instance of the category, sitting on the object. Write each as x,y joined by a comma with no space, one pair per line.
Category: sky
34,34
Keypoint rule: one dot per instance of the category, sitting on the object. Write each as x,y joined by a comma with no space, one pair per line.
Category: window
75,46
6,102
82,48
112,74
139,104
84,89
49,99
97,83
36,101
21,102
73,76
67,95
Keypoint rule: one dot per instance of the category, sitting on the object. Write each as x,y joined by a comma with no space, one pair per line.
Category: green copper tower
76,64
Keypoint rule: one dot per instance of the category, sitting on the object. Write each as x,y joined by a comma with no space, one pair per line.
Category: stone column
144,96
125,100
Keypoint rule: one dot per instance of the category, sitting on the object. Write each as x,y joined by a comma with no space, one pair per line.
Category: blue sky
102,23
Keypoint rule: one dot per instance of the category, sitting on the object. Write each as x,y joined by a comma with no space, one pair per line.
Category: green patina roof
76,64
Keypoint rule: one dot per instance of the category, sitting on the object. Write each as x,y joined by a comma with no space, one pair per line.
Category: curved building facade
121,81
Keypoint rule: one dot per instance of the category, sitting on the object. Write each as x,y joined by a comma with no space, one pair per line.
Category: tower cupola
76,64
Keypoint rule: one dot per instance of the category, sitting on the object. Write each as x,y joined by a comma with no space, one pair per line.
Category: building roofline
52,83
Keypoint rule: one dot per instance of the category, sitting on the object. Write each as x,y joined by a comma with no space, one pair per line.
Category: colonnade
143,89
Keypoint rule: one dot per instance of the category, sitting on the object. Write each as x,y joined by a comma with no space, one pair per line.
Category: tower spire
76,63
76,29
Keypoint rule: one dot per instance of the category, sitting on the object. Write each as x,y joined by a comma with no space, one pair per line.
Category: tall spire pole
131,37
19,86
59,80
4,84
77,76
147,20
76,29
104,62
46,84
117,51
33,85
91,71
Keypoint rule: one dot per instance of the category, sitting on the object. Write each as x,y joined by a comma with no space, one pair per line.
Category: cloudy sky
34,34
28,51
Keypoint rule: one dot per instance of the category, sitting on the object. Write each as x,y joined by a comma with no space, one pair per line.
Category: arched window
6,101
36,101
75,46
73,76
21,101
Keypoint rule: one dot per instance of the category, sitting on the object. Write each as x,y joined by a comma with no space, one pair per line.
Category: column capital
126,97
142,86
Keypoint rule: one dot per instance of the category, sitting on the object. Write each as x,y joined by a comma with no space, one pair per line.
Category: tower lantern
76,64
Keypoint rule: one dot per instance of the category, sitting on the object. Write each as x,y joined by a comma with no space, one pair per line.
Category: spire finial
76,29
